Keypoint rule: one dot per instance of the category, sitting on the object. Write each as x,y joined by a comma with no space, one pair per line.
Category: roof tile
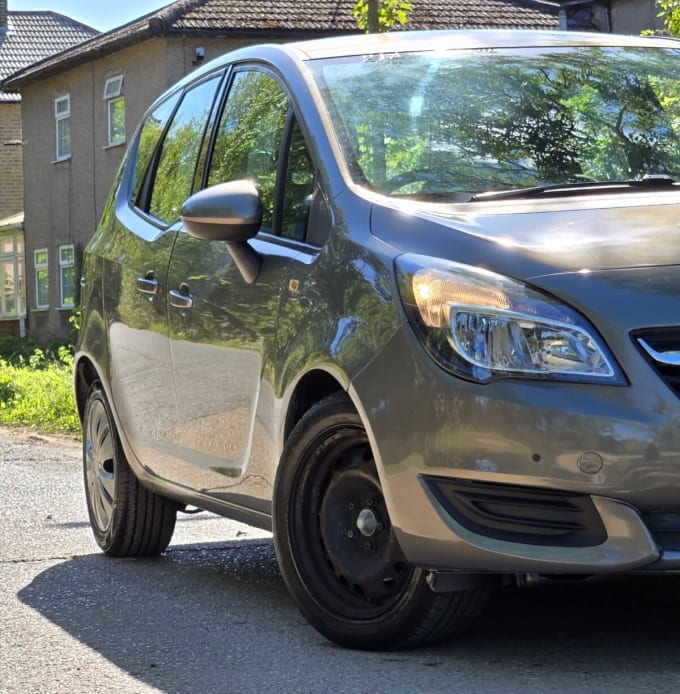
275,19
33,36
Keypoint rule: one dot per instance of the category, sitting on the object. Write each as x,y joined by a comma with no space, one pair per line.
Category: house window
42,279
12,289
62,115
67,275
115,104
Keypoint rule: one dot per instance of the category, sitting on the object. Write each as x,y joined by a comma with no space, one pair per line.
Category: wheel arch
85,374
313,387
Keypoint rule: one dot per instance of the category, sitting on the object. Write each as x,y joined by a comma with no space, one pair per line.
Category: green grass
35,387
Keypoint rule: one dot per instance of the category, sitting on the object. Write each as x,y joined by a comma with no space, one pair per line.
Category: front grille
661,349
520,514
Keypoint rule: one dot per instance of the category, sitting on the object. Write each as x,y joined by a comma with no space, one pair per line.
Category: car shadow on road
202,613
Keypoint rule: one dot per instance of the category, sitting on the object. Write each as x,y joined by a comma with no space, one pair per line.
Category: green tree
670,15
375,16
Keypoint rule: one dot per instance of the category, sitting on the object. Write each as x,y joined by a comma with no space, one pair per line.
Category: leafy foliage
381,15
670,15
36,391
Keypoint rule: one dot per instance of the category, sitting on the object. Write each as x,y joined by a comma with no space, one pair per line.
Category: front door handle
181,298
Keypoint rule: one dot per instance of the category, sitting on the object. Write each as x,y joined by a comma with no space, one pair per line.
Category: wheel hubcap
367,523
98,449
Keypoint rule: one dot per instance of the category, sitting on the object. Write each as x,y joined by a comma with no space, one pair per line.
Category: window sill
113,145
65,308
62,160
40,309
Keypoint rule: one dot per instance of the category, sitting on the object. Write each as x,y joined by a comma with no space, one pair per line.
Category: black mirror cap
229,212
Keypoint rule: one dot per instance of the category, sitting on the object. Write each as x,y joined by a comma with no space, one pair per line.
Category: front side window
298,187
115,104
446,122
67,275
42,280
176,168
12,290
62,115
248,141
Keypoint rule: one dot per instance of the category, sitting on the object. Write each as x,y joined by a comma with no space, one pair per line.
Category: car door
165,161
222,328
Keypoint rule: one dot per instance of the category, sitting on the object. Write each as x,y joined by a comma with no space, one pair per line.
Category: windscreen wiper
563,189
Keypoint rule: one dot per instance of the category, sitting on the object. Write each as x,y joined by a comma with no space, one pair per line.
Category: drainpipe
3,16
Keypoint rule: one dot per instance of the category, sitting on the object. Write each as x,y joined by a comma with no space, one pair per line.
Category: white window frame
113,95
113,87
66,264
16,257
62,118
41,267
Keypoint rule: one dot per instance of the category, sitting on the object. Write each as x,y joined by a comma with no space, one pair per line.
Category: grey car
410,301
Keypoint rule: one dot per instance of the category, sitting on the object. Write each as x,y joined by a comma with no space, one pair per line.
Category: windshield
446,125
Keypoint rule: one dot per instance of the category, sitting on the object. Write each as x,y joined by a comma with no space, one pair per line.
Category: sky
100,14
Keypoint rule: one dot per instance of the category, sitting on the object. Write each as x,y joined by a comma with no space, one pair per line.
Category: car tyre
336,548
127,519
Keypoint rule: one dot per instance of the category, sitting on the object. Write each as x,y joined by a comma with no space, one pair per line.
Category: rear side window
149,135
176,168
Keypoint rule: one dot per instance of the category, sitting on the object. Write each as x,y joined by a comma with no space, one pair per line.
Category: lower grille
664,528
520,514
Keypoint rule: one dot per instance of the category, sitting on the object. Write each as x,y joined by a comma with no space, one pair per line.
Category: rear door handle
148,284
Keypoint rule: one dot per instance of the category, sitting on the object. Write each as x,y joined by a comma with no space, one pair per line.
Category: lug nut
351,506
350,534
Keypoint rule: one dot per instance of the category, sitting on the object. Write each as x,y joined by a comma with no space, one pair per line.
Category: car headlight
483,326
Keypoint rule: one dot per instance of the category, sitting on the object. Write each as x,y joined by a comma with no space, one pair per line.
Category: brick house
95,93
610,16
25,37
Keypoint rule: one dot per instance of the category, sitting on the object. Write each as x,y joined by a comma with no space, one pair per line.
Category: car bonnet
540,237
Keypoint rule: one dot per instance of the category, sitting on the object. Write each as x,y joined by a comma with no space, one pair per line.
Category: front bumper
614,451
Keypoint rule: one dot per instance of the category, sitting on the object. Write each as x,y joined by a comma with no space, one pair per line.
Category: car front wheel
127,519
338,554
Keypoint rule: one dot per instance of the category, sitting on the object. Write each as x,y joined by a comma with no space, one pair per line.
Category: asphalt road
212,614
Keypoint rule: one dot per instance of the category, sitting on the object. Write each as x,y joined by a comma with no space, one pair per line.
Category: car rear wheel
127,519
338,554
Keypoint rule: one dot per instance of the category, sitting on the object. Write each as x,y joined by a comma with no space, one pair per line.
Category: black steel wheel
338,554
127,519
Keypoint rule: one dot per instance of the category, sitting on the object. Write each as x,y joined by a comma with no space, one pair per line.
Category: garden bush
35,386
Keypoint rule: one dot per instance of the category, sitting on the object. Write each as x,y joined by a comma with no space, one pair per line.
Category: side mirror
229,212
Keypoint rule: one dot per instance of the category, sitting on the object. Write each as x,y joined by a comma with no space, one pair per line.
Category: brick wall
11,160
9,327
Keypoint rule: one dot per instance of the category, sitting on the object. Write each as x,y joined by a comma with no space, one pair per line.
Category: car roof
435,40
414,41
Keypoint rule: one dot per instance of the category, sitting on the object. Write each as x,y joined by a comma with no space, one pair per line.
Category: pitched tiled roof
33,36
336,15
290,19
